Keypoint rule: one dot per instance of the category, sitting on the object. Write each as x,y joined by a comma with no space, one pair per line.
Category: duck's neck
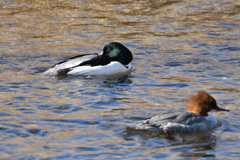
197,111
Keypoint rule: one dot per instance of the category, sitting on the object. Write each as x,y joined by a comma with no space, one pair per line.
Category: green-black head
118,52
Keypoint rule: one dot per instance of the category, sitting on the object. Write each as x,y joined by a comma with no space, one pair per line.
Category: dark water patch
119,81
3,129
231,49
218,75
44,107
193,71
18,133
214,34
195,61
64,108
228,24
181,85
26,110
10,103
34,131
86,149
205,53
66,155
75,109
3,114
165,85
16,83
225,89
188,54
173,64
231,60
196,155
74,121
9,88
160,156
11,125
102,104
61,108
157,66
98,105
21,98
38,132
87,156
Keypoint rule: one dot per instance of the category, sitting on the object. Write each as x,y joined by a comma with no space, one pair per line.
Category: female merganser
195,120
114,59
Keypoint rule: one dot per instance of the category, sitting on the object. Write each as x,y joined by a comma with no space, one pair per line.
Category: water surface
179,47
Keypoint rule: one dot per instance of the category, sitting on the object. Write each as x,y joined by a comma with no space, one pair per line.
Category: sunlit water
179,47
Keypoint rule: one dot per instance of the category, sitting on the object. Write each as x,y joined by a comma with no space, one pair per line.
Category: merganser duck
195,119
114,59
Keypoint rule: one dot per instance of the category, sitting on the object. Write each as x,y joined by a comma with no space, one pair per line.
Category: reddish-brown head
202,103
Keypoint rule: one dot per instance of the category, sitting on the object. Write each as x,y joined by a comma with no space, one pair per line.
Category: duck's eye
108,50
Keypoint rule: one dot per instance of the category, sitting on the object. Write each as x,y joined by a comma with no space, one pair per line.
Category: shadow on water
103,81
187,145
175,137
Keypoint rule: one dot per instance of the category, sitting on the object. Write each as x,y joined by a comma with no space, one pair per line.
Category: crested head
118,52
202,103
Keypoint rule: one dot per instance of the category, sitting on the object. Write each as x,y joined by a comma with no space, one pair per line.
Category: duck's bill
221,109
100,54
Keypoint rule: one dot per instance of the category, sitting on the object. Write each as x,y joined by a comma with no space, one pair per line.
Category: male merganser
114,59
195,120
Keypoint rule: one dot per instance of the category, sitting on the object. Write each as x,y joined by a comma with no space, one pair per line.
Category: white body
114,67
110,69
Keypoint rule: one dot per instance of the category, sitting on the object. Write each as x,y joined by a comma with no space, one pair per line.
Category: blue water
179,47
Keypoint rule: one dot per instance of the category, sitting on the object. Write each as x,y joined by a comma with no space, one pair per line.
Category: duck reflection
184,145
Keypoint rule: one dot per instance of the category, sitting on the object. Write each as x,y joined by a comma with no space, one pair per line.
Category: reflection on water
179,47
